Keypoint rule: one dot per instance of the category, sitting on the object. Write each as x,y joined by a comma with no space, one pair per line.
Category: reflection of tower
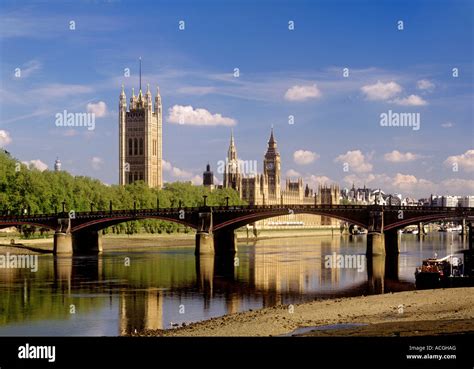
141,311
57,165
205,277
272,168
140,138
232,177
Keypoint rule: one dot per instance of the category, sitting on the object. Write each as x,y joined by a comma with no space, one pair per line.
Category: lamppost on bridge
204,197
92,207
227,201
157,203
179,204
64,206
134,206
110,206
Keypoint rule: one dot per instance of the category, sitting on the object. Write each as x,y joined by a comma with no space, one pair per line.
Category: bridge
79,232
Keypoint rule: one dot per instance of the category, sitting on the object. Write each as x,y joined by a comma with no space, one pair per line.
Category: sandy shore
441,311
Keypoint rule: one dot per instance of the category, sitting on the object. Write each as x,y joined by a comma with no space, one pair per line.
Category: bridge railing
4,215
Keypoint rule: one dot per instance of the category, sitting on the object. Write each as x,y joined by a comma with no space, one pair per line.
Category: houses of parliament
265,188
140,159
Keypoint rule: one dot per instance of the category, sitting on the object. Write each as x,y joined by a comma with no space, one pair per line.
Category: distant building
467,201
57,165
445,201
208,178
265,188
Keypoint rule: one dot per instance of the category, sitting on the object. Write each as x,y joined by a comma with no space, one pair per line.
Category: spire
123,91
232,152
271,141
133,92
140,73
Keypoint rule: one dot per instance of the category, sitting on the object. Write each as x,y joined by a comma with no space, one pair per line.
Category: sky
331,77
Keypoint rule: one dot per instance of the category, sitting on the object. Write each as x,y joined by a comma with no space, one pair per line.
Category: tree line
25,189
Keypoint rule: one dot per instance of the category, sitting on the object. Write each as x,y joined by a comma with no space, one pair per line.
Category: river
119,292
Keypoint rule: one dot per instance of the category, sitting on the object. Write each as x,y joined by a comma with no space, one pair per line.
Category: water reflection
164,286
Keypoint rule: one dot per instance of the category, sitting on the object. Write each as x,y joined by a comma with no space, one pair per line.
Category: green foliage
44,192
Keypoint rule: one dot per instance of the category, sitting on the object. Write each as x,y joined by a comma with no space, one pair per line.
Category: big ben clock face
270,166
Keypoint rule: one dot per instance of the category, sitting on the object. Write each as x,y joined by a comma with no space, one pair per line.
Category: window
130,146
141,146
135,142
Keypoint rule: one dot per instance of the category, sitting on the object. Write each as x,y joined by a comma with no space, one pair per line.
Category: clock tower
272,169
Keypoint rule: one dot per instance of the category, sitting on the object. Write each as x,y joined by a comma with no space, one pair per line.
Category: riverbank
411,313
109,242
122,242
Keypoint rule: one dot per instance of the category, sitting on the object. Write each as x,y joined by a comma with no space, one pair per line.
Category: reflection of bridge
215,226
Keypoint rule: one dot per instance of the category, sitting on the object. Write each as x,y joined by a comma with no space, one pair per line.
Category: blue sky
336,135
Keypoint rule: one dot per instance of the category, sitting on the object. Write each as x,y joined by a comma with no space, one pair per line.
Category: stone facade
140,139
265,189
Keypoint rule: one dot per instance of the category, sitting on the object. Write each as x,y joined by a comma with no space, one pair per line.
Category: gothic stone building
140,139
265,188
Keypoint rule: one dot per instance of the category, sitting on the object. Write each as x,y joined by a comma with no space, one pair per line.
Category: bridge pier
87,242
62,243
204,243
392,242
375,244
421,229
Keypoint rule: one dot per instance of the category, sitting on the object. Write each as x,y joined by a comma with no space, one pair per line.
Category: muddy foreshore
411,313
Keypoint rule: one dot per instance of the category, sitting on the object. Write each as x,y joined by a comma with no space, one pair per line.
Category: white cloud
412,100
176,172
356,161
313,181
196,180
398,157
424,84
457,186
198,117
36,164
464,161
99,109
407,184
304,157
96,162
302,93
29,68
447,124
5,138
292,173
381,91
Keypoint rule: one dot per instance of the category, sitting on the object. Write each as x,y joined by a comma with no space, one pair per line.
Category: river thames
151,287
